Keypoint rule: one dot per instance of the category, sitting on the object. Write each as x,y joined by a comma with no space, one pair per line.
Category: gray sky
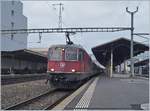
41,14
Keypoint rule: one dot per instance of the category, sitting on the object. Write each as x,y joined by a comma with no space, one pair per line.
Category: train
70,65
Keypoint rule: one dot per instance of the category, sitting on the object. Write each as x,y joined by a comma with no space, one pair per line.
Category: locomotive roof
64,46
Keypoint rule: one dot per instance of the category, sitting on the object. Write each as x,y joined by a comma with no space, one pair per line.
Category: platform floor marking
134,81
86,98
66,101
145,106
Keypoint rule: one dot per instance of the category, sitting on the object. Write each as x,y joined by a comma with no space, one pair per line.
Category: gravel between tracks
14,93
44,101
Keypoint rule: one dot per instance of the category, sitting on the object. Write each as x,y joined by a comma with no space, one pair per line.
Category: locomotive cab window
71,54
81,54
55,54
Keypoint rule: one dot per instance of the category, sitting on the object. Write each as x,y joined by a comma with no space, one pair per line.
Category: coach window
81,55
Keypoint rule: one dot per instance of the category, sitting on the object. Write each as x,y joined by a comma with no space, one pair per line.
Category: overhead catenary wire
64,30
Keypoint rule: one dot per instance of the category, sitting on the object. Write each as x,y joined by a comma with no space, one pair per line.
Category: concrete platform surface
118,93
104,93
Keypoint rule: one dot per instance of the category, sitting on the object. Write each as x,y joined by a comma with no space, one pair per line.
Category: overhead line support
132,32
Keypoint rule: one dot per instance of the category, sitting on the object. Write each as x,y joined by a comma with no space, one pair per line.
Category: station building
23,62
15,57
12,17
43,51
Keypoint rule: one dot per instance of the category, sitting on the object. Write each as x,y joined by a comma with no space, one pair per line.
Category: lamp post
132,31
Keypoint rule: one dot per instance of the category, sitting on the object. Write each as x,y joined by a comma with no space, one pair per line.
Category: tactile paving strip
86,98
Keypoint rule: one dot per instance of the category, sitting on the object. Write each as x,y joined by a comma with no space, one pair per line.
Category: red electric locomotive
69,65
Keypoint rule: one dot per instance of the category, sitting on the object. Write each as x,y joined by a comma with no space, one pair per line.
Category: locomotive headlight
73,70
52,69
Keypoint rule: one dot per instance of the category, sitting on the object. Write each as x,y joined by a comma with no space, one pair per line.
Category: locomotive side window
55,54
81,54
71,54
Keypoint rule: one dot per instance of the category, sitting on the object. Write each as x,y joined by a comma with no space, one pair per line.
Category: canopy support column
111,63
125,67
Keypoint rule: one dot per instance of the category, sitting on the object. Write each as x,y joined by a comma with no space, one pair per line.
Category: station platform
103,93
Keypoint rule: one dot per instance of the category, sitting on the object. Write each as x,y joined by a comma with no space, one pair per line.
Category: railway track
44,101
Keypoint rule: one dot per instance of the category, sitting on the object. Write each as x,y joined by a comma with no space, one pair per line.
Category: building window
12,36
12,2
12,12
12,24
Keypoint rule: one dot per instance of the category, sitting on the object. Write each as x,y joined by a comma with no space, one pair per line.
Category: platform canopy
25,54
142,63
120,48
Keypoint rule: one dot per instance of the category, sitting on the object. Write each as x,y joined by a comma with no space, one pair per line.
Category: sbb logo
62,64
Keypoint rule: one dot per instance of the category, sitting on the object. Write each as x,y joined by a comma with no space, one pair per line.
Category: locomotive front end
63,66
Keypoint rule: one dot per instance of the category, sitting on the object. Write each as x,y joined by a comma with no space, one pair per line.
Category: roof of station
43,51
142,63
25,54
121,51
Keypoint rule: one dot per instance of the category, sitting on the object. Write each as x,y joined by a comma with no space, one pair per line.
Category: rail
36,100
